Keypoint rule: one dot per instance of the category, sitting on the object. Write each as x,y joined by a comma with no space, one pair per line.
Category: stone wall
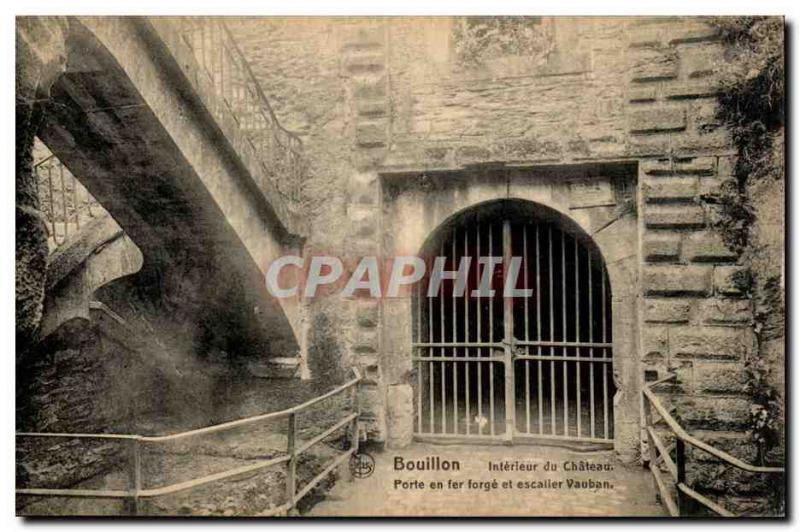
407,122
386,98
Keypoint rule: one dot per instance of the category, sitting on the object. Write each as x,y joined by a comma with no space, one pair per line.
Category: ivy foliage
751,107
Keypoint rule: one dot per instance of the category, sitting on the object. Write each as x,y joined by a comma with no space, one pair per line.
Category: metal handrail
219,56
677,468
63,199
135,493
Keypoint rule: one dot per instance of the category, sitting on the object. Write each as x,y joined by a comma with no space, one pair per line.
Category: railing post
354,441
651,445
684,502
648,423
291,466
134,476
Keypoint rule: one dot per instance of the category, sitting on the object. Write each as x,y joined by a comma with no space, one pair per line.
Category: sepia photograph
400,266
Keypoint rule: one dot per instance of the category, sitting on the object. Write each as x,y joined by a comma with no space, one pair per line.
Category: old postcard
400,266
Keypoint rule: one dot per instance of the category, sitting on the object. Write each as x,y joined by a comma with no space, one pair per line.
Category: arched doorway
517,345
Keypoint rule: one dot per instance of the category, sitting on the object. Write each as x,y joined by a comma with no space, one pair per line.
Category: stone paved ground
629,491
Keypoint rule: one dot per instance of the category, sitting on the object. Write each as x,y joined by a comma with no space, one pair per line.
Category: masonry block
371,372
719,377
714,139
649,145
373,417
706,246
646,37
711,186
721,343
361,246
661,247
653,64
370,88
708,473
674,217
367,61
675,280
657,167
738,444
371,108
365,341
658,120
367,314
670,189
716,311
714,413
371,134
365,229
643,94
469,154
365,38
731,280
701,60
367,360
667,310
700,166
367,198
722,480
655,345
696,165
400,418
361,180
691,89
698,32
725,166
357,211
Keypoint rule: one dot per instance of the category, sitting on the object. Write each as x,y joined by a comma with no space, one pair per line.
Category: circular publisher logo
362,465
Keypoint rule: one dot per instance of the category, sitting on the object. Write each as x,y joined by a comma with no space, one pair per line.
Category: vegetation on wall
478,38
751,107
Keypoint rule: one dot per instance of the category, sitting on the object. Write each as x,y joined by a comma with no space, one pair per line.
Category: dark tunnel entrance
548,352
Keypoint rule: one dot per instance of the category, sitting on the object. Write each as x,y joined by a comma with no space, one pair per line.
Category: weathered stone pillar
41,56
364,65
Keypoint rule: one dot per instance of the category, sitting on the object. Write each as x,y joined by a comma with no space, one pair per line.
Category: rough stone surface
654,64
672,217
661,247
731,280
670,189
655,344
40,58
710,342
726,311
706,246
723,413
677,280
668,310
719,377
402,133
658,120
400,417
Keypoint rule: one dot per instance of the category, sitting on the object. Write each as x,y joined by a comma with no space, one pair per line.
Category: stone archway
414,216
520,349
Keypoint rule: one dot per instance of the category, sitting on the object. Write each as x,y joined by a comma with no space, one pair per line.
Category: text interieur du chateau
436,463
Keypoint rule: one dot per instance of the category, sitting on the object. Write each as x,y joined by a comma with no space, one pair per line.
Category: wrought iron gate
503,368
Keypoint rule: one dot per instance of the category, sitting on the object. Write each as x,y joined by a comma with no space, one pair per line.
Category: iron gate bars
500,368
